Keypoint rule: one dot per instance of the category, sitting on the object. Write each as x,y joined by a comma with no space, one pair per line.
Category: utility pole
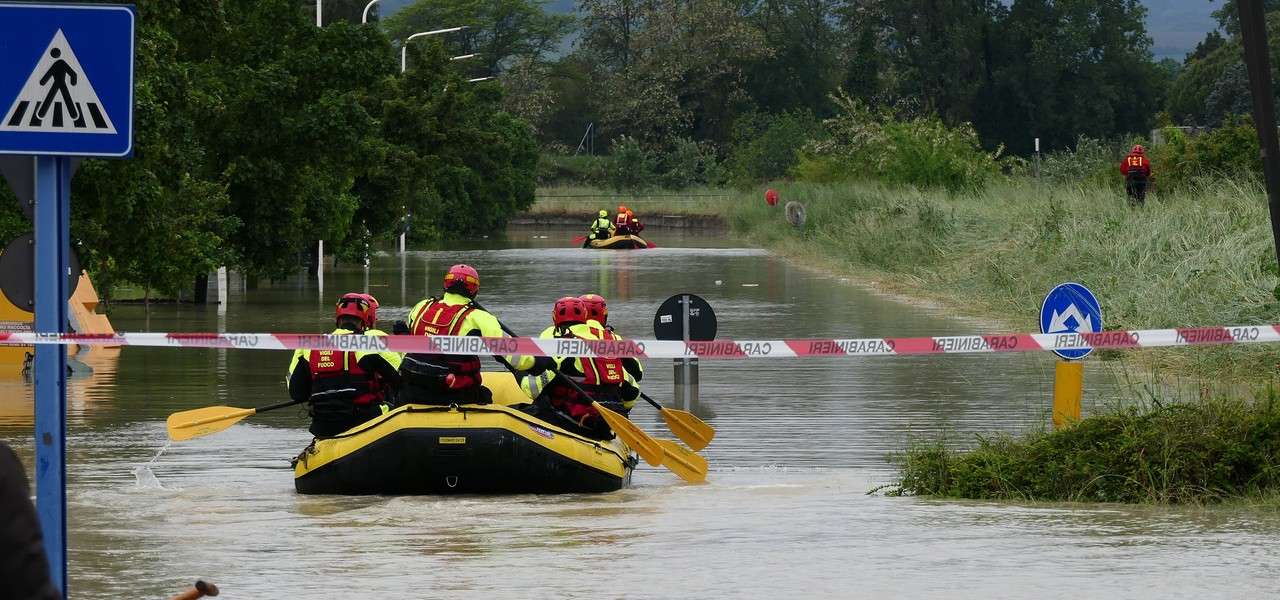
1253,31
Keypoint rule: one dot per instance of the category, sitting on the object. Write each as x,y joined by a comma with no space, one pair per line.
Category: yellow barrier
84,319
1068,389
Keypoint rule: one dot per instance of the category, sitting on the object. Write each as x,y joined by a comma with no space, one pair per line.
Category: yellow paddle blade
689,428
641,442
683,462
190,424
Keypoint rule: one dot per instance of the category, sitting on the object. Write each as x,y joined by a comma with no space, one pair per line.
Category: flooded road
785,512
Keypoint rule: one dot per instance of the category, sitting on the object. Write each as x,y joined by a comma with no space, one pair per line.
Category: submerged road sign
66,80
1071,308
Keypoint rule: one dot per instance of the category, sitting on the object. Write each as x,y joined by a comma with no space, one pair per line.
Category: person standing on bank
1136,169
345,388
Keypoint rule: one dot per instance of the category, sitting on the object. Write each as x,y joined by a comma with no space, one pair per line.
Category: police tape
708,350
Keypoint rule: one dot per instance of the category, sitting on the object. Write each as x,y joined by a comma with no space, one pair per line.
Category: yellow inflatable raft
619,242
468,449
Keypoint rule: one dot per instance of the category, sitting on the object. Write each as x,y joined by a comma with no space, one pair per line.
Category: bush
767,147
1231,151
887,146
579,170
1093,162
687,164
1201,451
631,166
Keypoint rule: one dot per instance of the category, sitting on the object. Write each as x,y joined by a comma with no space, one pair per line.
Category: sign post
1069,308
685,317
66,90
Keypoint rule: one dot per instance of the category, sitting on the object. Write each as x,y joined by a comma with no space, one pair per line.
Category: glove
400,328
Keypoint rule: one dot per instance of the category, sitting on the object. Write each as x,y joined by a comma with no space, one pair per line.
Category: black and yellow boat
468,449
619,242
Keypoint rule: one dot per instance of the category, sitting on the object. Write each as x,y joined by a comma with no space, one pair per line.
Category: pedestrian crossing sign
66,79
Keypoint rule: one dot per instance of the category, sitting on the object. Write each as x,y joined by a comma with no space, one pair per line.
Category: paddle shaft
246,412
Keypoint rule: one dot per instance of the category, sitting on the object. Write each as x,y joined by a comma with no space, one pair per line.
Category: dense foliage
259,133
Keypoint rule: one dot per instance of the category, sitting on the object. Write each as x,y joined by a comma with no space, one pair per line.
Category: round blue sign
1071,308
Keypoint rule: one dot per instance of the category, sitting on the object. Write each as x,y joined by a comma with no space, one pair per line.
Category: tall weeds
1201,256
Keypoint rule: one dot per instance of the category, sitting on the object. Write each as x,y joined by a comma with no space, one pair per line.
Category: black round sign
18,272
668,324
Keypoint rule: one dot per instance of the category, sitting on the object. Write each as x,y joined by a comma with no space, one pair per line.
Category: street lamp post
364,17
404,48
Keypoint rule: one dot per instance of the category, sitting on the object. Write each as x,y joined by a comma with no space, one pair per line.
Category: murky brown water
784,515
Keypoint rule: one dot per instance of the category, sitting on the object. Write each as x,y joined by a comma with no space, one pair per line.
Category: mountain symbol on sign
1058,322
57,97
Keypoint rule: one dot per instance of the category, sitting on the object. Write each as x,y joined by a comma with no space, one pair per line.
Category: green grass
588,200
1200,258
1206,451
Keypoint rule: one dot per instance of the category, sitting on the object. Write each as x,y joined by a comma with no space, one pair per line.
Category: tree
501,31
1215,86
939,52
805,62
159,219
668,69
1066,68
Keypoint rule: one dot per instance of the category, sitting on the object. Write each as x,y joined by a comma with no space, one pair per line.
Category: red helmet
596,308
568,311
361,306
462,279
1138,149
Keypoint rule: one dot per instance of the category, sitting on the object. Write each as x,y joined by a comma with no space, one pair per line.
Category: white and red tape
710,350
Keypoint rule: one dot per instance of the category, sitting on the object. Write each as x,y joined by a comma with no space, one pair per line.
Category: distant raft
468,449
619,242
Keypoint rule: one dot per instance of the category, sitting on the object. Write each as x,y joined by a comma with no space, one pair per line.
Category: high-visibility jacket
604,379
452,314
602,228
342,388
336,374
1135,165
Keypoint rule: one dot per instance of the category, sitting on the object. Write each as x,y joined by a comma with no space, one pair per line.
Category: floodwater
785,513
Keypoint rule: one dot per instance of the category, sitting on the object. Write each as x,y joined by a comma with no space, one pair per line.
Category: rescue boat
468,449
619,242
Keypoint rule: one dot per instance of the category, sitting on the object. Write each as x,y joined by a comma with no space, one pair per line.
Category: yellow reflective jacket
477,322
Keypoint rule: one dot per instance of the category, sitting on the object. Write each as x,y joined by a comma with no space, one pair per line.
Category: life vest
600,377
336,379
430,371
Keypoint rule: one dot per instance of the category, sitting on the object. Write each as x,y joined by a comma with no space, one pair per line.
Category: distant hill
1175,25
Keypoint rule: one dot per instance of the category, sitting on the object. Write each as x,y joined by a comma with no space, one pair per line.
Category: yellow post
1068,388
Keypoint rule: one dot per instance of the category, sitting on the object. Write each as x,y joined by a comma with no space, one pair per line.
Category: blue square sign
66,79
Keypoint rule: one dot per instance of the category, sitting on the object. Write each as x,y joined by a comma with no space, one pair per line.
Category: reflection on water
785,513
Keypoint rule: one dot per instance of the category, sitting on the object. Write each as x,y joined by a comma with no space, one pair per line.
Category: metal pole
52,240
1254,33
320,267
1037,160
364,18
318,14
687,384
404,48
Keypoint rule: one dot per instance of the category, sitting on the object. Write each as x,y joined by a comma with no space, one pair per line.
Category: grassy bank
1206,451
583,202
1194,259
1198,258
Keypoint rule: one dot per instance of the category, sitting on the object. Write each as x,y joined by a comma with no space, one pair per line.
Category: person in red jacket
1136,170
